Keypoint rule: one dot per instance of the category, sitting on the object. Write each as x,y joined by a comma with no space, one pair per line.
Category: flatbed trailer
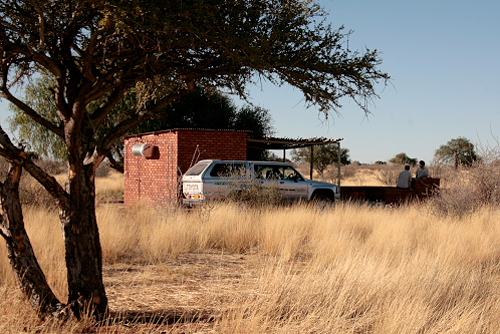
421,189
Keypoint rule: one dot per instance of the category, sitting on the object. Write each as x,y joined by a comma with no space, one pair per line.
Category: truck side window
266,172
291,174
228,170
262,172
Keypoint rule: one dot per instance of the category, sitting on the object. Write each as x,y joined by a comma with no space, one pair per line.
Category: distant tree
36,137
199,109
459,151
271,156
257,120
403,159
324,156
213,110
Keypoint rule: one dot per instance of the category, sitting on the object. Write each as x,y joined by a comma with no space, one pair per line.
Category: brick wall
155,181
151,180
195,145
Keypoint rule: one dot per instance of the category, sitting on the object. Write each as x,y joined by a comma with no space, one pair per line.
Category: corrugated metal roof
268,143
283,143
182,129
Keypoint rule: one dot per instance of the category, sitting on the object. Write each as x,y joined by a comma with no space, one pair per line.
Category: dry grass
227,269
109,187
353,269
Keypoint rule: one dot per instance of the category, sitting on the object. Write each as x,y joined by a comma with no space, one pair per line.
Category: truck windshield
276,172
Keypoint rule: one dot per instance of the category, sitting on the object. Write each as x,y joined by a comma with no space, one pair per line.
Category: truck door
224,177
286,178
293,184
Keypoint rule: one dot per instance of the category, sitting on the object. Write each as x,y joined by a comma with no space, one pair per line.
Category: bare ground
182,295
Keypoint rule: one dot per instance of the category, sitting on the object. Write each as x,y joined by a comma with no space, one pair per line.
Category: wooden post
339,161
312,160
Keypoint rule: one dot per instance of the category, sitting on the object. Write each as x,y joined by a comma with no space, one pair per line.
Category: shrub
30,191
469,190
332,173
388,174
53,167
252,192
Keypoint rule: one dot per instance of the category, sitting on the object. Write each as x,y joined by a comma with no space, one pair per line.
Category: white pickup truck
212,179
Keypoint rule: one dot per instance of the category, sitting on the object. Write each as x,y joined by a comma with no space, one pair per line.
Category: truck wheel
323,202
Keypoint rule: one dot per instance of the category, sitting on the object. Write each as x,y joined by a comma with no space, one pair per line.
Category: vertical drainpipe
312,159
339,160
139,178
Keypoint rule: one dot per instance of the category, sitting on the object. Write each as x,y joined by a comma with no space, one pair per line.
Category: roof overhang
274,143
268,143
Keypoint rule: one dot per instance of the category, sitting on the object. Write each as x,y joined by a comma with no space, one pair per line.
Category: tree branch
19,157
30,112
105,108
121,129
88,55
41,21
118,166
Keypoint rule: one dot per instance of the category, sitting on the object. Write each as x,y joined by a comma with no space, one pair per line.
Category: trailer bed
421,189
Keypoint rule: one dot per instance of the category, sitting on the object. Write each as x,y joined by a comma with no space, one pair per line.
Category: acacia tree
402,159
96,51
459,151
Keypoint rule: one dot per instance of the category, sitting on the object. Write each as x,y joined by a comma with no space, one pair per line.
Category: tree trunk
83,249
27,271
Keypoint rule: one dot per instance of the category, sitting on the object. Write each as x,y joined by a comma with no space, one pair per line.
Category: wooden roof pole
312,162
338,143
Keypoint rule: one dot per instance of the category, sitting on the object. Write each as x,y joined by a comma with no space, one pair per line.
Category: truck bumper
192,202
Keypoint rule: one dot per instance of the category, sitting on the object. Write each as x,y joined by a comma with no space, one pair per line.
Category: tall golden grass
372,270
351,269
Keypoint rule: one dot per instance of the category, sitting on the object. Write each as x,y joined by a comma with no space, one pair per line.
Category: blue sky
444,60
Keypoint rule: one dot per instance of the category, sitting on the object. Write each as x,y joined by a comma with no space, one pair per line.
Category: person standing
422,171
404,179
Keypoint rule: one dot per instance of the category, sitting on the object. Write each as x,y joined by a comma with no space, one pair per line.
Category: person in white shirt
422,171
404,179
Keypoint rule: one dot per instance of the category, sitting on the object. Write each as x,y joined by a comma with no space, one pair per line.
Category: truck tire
323,200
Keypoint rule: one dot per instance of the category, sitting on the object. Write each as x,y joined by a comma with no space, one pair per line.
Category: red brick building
155,161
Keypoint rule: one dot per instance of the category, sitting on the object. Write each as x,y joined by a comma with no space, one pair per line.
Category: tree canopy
98,51
459,151
402,159
199,109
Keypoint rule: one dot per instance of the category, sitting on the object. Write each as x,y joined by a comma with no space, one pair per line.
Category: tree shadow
159,317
